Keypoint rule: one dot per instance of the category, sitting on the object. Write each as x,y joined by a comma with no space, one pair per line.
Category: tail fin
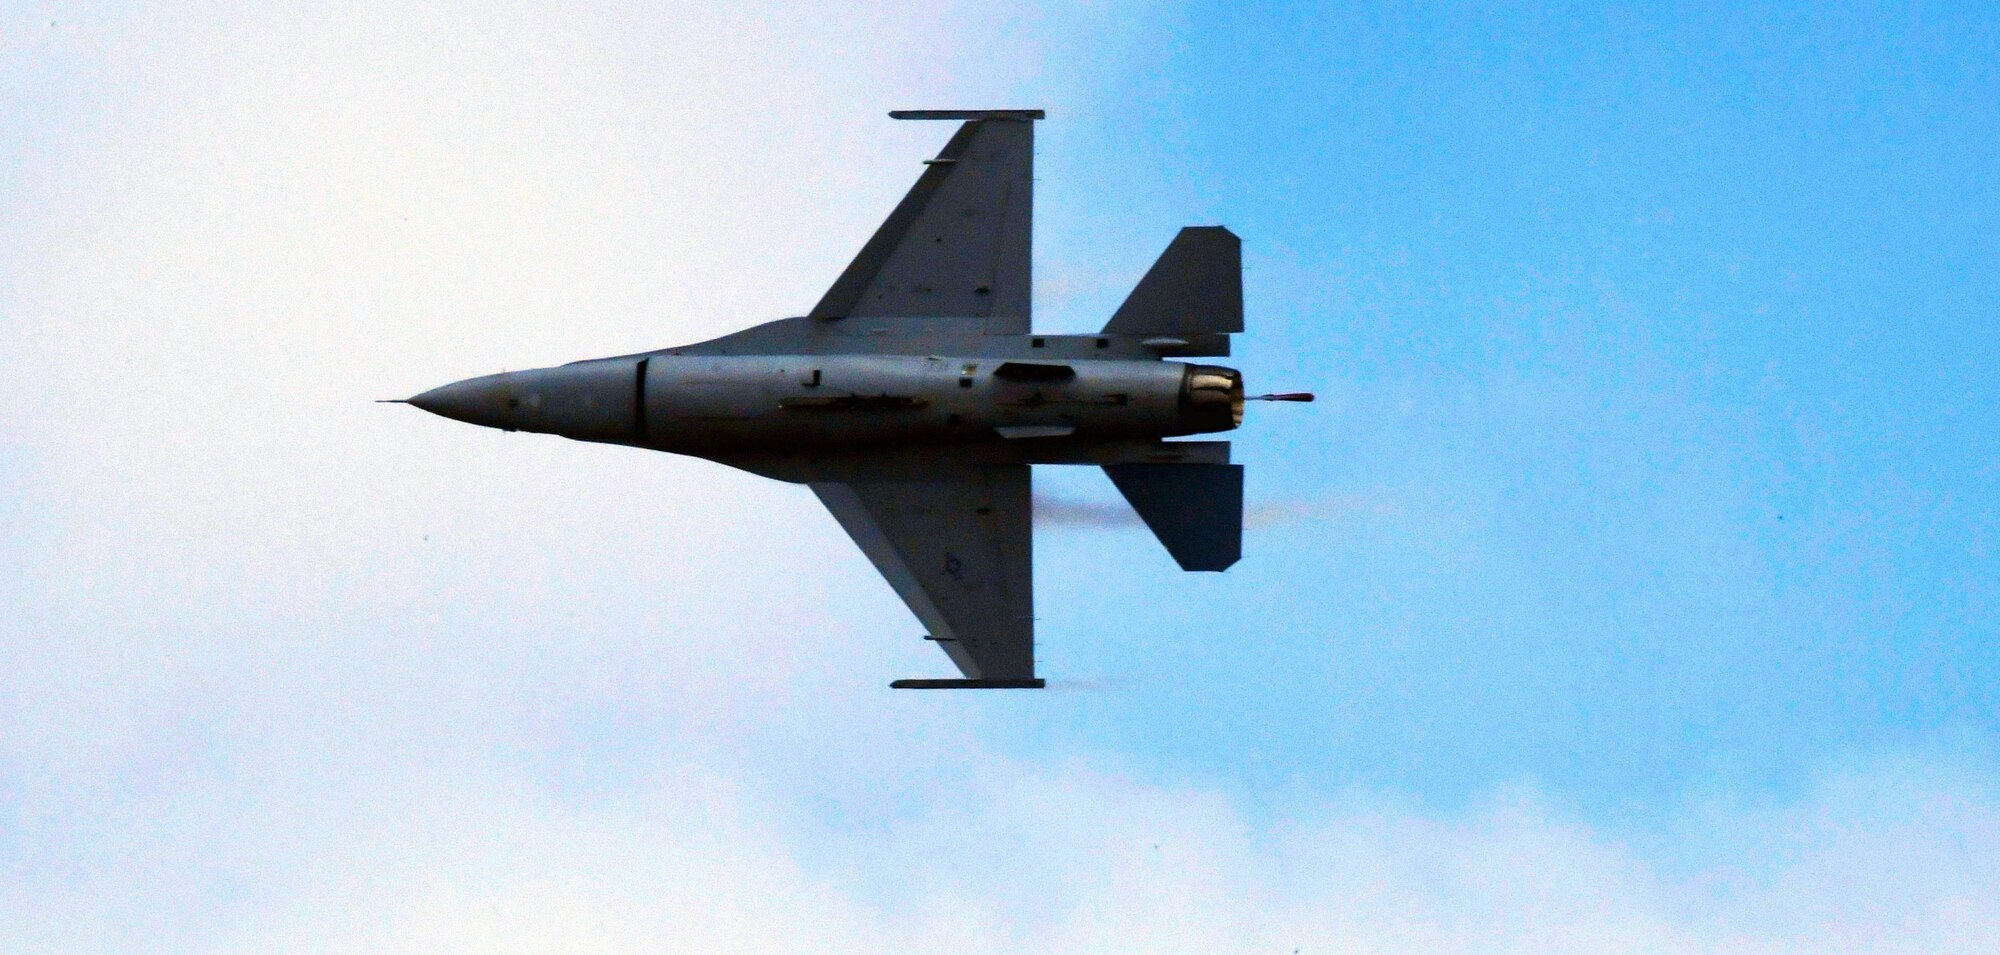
1196,510
1193,293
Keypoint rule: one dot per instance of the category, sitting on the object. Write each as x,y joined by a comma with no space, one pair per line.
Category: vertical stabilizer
1196,510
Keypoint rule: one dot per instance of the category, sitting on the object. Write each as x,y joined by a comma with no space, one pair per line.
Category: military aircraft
914,397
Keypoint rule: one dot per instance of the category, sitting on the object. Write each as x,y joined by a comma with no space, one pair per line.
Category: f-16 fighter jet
913,398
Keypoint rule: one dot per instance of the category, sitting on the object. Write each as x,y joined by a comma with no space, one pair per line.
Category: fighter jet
915,396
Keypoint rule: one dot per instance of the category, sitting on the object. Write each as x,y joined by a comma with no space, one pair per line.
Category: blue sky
1630,587
1653,348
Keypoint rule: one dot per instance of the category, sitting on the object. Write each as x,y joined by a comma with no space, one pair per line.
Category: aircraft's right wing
957,245
957,547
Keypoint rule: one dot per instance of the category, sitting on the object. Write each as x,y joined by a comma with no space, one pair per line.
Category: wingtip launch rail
970,115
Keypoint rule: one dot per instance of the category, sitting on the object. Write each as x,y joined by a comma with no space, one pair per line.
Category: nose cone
489,401
588,401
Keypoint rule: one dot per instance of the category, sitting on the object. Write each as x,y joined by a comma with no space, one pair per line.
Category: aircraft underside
914,398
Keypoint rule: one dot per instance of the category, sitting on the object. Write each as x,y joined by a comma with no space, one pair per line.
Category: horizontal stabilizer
1194,292
1196,510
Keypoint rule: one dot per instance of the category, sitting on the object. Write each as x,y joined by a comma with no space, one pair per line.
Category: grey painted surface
1195,510
958,243
914,398
957,546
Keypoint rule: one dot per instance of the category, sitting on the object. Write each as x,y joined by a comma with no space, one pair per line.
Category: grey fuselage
1041,399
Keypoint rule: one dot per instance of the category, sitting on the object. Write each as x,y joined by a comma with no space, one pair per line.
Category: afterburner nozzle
1212,398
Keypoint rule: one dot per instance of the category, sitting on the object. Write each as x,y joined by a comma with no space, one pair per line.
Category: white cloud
265,218
1062,860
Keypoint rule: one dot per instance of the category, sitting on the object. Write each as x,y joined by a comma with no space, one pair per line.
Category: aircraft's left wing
957,547
957,245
